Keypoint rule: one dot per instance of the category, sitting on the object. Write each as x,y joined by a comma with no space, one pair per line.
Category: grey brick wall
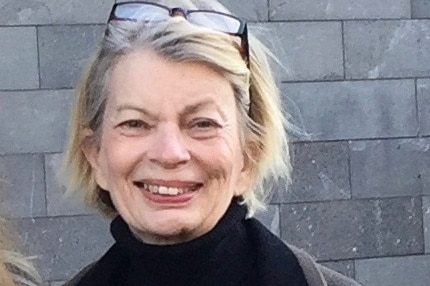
356,78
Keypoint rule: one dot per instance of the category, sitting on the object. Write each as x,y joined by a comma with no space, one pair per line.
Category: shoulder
317,274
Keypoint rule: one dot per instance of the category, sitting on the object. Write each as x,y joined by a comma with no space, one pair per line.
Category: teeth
173,191
162,190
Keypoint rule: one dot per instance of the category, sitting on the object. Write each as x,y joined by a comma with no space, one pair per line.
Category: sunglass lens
215,21
138,11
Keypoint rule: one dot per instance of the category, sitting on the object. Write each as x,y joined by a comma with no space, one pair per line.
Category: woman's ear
91,150
247,173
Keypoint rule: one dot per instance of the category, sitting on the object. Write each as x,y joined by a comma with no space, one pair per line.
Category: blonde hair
263,135
15,269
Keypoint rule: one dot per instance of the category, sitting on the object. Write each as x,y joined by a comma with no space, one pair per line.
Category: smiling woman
171,171
177,132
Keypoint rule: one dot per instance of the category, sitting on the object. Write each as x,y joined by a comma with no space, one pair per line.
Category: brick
58,203
270,218
355,229
54,12
23,186
338,9
64,245
394,271
390,168
308,51
350,110
320,172
420,9
426,215
251,10
423,97
64,51
34,121
387,49
346,267
18,57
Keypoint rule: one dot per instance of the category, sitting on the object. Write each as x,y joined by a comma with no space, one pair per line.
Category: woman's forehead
143,74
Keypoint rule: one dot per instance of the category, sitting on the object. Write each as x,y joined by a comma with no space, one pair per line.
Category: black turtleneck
236,252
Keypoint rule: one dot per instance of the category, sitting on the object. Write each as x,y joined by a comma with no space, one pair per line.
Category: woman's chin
168,232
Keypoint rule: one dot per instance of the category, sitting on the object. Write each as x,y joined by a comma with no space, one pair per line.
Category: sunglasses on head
152,13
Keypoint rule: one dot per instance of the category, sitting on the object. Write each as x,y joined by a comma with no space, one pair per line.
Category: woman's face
170,153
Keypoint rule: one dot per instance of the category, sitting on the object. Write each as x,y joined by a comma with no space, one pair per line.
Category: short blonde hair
263,136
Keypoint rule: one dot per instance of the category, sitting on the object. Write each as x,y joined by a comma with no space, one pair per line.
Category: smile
167,190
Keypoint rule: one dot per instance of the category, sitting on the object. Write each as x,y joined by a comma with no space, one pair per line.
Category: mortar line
343,49
417,116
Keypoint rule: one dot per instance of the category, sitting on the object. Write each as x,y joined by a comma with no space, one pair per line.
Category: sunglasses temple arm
245,45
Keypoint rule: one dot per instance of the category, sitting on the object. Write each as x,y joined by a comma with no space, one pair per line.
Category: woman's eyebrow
193,108
142,110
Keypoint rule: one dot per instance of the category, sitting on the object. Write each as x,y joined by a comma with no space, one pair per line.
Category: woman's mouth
165,190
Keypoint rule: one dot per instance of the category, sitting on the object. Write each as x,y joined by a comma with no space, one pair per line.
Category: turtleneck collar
190,262
127,240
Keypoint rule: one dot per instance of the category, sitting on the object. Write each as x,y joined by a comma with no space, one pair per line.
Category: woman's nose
168,149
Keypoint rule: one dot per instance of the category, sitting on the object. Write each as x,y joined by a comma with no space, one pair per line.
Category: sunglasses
153,13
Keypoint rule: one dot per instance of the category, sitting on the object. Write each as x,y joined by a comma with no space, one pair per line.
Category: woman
177,133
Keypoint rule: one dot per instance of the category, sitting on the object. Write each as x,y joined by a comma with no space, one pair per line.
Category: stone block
63,246
320,173
270,218
390,168
34,121
387,49
307,51
346,267
348,229
420,8
18,58
44,12
394,271
426,215
22,186
338,9
352,110
423,97
64,51
58,203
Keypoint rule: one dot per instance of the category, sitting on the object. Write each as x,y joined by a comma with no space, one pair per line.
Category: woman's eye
204,128
134,124
205,124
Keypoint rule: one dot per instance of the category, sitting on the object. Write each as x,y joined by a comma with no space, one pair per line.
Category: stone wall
356,80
